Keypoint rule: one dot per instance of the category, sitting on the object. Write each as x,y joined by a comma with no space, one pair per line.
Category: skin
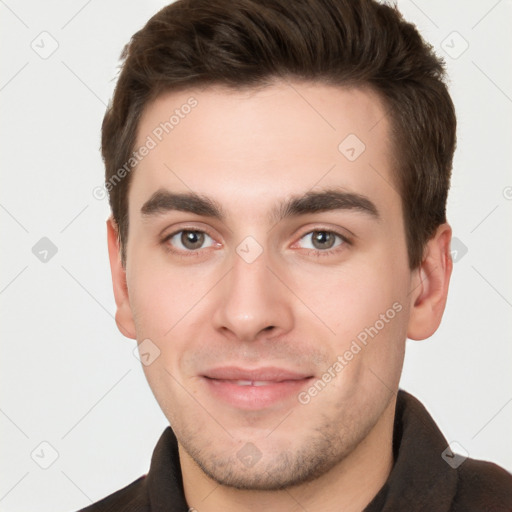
297,306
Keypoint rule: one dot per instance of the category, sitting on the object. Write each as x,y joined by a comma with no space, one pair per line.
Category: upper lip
270,373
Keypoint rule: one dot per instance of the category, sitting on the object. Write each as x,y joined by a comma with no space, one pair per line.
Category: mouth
253,389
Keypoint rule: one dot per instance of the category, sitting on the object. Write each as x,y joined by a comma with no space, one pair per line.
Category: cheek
349,299
365,308
154,306
162,296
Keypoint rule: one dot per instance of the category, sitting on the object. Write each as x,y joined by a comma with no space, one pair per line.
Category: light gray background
68,376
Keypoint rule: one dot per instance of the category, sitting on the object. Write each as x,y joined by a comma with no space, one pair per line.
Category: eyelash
345,241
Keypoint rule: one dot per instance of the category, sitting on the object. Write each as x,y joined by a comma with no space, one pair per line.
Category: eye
190,240
321,240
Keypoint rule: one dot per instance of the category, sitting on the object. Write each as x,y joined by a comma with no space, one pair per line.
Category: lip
256,388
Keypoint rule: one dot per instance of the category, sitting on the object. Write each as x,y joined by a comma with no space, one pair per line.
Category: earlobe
124,317
430,285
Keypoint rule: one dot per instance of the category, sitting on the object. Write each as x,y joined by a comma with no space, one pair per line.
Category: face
267,276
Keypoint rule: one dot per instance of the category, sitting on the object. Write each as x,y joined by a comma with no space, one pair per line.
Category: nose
252,302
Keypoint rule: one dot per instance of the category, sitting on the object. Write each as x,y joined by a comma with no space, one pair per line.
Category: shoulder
483,486
132,498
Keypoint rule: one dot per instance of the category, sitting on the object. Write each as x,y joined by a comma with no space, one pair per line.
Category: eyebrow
327,200
163,201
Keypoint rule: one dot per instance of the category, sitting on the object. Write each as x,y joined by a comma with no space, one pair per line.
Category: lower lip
256,397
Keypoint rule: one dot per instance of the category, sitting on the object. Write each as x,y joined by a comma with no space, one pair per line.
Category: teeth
252,382
243,382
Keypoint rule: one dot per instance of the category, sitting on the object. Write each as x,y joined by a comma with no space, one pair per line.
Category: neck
349,486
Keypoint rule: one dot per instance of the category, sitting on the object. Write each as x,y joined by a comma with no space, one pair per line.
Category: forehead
254,146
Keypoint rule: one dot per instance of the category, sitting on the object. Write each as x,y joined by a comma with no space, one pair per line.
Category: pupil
323,240
192,239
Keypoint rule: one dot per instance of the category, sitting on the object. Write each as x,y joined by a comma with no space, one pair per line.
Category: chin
268,469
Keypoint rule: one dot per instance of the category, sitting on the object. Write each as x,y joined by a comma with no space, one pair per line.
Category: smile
254,389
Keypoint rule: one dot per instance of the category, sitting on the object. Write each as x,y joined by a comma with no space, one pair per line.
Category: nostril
269,328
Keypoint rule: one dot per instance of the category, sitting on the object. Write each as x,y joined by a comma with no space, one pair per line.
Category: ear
124,318
430,285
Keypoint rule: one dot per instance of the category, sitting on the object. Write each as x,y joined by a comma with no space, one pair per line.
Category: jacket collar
421,480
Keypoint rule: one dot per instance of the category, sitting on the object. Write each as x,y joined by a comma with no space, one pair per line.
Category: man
278,174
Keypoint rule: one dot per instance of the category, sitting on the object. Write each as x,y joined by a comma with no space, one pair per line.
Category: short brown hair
251,43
